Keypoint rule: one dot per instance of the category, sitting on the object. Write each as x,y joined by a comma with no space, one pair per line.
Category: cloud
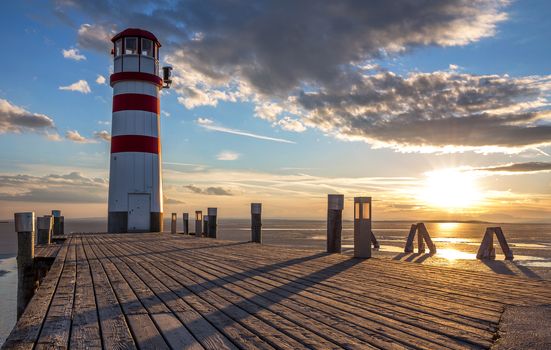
16,119
319,67
168,200
80,86
73,54
209,125
102,135
165,113
528,167
211,191
95,37
434,112
100,80
290,124
227,155
73,187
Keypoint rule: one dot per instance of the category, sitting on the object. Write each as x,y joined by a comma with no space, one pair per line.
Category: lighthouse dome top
136,32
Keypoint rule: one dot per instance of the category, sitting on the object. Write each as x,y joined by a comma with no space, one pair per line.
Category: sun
450,189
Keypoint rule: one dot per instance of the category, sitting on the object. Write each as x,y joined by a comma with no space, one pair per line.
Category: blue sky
337,152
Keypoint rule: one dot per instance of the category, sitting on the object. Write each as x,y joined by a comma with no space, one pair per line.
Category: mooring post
256,222
26,282
424,234
409,241
335,205
186,223
59,223
362,227
206,225
420,241
198,223
44,226
212,221
173,223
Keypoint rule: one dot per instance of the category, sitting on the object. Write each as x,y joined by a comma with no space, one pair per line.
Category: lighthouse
135,174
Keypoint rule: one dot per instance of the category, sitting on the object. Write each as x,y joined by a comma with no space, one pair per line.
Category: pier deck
162,291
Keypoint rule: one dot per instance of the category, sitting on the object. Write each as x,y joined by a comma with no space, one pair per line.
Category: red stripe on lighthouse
138,76
135,143
136,102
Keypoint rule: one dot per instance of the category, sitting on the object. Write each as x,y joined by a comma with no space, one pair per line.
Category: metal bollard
362,227
186,223
212,222
198,223
173,223
335,205
256,222
44,227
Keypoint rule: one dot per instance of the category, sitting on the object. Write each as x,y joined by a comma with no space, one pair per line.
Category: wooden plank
238,333
204,331
146,333
175,333
27,329
49,251
85,331
398,331
57,325
114,329
141,325
329,314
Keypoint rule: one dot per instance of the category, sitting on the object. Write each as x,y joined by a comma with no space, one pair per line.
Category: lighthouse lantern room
135,181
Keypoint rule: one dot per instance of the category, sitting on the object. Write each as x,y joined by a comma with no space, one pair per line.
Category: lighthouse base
117,222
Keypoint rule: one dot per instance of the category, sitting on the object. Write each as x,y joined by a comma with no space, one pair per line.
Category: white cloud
209,125
290,124
165,113
75,136
73,54
103,135
80,86
227,155
100,80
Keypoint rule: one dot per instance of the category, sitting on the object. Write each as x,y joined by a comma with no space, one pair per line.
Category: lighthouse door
138,212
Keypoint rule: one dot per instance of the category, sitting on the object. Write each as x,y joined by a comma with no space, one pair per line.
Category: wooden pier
161,291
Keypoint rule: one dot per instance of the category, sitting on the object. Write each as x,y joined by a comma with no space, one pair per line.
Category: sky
437,109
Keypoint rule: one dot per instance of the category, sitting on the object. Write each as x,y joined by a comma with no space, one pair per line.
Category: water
531,244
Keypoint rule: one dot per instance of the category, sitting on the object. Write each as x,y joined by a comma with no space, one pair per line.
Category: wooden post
422,231
362,227
206,225
186,223
411,236
420,241
173,223
44,227
212,221
335,205
503,243
198,223
487,250
26,282
59,223
256,222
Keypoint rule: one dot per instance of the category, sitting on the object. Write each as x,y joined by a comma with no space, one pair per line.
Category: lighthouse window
147,47
131,46
118,47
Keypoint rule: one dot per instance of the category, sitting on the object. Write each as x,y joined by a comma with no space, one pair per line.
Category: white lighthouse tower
135,181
